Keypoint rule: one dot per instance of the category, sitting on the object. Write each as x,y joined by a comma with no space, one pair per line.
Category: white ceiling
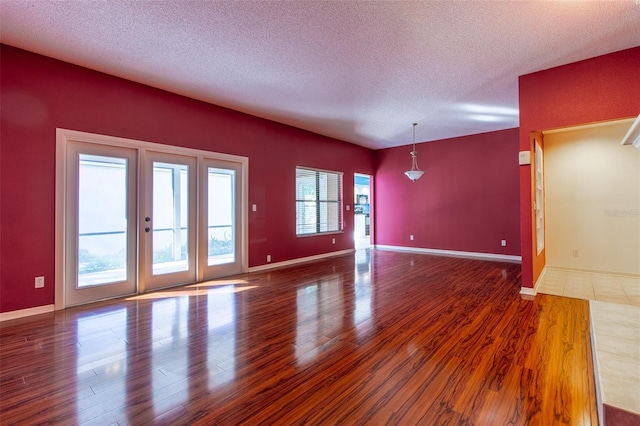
360,71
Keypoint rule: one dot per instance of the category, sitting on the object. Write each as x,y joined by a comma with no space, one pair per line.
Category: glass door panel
102,220
220,220
101,230
170,218
221,236
170,222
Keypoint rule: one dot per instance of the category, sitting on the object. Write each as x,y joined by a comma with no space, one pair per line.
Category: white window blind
318,201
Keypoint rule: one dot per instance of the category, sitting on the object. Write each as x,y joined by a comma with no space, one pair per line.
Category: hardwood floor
377,338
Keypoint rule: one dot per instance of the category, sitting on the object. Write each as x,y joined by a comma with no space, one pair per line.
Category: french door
221,213
169,220
100,222
137,217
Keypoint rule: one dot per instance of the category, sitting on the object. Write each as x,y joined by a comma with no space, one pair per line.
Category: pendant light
415,173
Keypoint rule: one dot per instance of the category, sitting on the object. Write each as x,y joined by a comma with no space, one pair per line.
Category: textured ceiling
360,71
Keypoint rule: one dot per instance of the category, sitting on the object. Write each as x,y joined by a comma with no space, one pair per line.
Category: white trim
313,169
21,313
244,205
596,367
592,271
75,135
540,278
299,260
60,228
454,253
633,135
527,291
589,126
533,291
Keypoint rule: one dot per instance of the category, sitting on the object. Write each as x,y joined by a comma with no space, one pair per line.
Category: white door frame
370,177
63,136
204,270
147,279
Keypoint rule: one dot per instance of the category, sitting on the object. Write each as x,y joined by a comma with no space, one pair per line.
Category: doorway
592,199
100,223
134,216
362,211
169,238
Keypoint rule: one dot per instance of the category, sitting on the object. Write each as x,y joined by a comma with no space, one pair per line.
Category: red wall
597,89
39,94
466,201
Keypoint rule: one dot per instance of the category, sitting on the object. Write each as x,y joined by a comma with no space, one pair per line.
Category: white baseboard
21,313
539,280
528,291
592,271
299,260
596,367
454,253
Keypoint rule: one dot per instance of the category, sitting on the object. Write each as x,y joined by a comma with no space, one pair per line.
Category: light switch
524,157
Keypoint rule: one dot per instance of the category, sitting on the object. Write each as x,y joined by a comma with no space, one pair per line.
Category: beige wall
592,186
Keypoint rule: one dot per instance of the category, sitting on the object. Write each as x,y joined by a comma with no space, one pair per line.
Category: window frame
320,202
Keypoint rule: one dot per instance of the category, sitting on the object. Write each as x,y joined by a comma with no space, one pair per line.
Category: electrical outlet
333,240
503,243
575,253
39,282
411,237
268,258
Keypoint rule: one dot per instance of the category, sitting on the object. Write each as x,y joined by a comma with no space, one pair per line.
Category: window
318,201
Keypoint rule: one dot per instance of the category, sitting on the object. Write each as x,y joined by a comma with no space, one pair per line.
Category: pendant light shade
415,173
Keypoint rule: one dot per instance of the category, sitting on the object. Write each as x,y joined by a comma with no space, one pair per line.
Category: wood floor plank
384,338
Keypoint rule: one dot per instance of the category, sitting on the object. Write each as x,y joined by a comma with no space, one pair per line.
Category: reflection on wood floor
378,337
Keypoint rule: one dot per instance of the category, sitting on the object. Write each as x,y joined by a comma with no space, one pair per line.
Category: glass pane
318,201
170,218
306,217
329,216
323,183
102,220
305,184
220,224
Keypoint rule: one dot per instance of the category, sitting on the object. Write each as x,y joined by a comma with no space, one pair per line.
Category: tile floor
622,289
615,330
